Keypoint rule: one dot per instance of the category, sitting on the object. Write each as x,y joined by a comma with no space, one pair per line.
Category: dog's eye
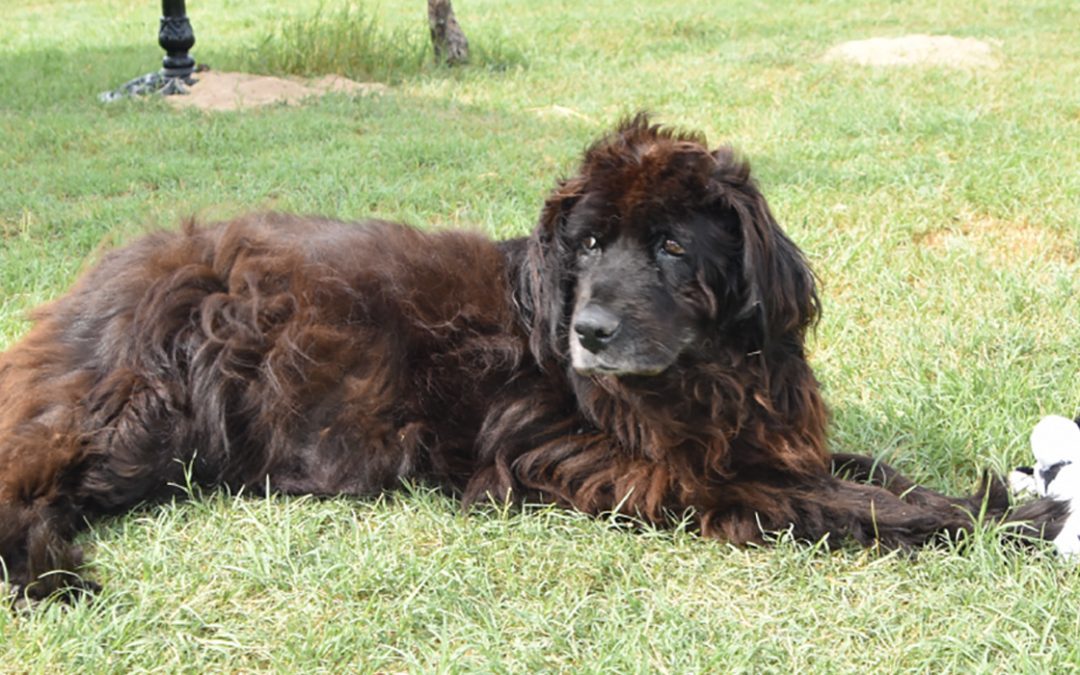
590,243
672,247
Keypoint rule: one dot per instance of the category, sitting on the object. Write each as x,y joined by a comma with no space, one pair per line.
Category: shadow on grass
52,79
929,451
346,42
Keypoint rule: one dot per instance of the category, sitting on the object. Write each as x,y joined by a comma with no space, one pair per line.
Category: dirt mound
233,91
933,50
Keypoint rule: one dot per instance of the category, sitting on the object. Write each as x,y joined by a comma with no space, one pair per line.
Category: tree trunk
449,41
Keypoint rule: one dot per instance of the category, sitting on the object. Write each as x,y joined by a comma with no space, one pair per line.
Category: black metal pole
176,37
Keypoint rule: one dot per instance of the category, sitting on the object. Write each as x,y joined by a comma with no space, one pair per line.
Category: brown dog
642,352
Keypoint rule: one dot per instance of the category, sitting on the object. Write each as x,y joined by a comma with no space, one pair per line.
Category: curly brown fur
642,352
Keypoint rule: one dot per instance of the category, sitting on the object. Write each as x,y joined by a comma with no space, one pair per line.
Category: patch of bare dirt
931,50
234,91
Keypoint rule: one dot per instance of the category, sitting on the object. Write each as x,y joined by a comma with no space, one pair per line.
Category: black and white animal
1055,444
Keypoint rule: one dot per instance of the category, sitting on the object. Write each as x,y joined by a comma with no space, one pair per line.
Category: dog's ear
781,292
546,286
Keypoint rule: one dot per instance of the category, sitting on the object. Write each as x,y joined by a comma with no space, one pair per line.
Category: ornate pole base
151,83
176,37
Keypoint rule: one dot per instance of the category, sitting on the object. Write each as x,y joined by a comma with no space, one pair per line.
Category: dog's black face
661,249
643,295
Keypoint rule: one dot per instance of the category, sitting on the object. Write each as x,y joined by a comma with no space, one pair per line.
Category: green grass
349,40
939,207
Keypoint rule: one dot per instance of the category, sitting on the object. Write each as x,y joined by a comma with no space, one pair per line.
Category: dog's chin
587,364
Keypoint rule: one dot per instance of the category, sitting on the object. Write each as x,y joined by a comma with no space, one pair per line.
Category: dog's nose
595,327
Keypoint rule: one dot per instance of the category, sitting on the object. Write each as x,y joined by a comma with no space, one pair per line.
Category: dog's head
658,250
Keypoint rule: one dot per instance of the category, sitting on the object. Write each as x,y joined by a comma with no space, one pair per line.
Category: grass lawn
940,208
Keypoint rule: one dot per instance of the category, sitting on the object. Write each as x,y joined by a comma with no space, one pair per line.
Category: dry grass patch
916,50
1001,243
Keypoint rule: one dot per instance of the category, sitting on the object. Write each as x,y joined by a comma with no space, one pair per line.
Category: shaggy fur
641,352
